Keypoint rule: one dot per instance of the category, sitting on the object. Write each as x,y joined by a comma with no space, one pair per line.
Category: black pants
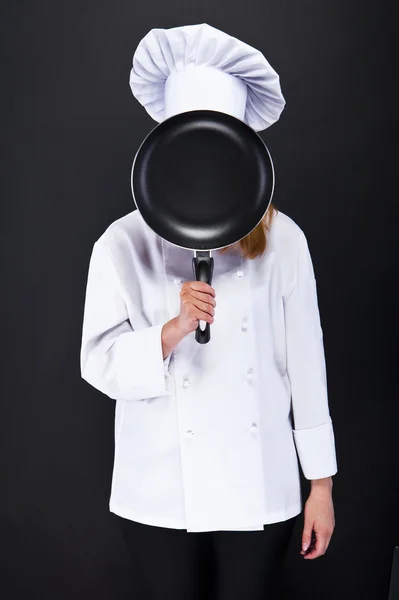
216,565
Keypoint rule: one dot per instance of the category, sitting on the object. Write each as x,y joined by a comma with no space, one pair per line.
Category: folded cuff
316,450
142,371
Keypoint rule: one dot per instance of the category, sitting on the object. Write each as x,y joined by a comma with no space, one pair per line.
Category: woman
188,499
206,477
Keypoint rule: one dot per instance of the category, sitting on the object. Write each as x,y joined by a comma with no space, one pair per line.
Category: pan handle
203,271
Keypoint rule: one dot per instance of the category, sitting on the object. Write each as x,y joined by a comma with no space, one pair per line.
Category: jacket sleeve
121,362
313,430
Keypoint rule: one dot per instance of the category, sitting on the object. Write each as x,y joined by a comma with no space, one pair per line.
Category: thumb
307,535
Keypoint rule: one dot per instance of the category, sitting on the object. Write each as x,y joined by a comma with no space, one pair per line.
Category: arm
115,359
322,486
171,336
313,431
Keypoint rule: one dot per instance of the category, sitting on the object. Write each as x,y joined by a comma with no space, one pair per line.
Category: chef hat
200,67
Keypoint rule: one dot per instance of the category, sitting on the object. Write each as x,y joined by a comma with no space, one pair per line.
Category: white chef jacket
205,438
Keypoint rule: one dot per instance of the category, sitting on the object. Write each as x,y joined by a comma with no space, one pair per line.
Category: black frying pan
202,180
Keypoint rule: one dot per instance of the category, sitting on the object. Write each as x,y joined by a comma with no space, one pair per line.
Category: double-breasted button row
186,382
244,320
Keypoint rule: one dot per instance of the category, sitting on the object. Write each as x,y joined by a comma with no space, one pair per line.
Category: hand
197,302
319,521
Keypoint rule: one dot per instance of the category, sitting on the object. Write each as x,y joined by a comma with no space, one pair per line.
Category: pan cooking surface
202,179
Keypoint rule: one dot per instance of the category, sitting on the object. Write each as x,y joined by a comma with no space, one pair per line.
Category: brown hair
254,244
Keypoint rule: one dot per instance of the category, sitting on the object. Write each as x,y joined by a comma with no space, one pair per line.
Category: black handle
203,271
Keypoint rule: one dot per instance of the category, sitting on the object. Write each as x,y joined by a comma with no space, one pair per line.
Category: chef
209,437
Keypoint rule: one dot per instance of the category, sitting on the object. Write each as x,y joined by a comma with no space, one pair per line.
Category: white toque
200,67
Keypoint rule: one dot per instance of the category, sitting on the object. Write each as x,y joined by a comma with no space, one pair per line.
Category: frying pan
202,180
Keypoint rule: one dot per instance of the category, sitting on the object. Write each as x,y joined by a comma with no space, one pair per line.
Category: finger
204,297
200,315
310,547
203,307
201,286
307,535
320,546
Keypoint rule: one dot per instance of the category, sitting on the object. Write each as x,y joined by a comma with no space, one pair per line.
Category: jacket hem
146,519
157,521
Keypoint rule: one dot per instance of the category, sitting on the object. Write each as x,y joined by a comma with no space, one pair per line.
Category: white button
244,324
177,281
254,429
240,273
186,382
188,434
250,373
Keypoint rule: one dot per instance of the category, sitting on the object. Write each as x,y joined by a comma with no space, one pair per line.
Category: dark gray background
70,129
